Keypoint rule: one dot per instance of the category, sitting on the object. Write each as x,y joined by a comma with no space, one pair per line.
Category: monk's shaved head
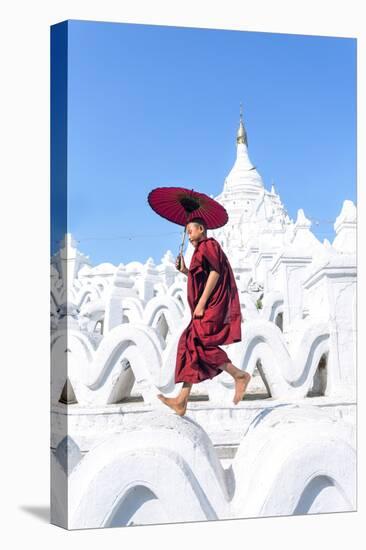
197,230
199,222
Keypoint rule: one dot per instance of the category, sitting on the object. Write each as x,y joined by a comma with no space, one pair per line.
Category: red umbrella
180,205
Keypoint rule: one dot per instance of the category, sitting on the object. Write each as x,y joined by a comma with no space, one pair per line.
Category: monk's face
195,233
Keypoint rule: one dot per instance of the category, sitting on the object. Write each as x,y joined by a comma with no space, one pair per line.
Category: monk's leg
184,392
241,378
179,403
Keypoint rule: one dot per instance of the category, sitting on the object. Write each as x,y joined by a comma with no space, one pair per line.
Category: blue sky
152,106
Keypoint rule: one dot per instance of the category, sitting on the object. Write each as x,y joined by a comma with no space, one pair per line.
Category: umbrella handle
181,246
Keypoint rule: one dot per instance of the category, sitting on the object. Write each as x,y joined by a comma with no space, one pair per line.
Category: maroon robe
198,352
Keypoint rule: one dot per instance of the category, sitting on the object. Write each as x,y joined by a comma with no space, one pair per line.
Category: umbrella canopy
180,205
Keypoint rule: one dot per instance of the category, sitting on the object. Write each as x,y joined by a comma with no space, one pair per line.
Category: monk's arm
210,285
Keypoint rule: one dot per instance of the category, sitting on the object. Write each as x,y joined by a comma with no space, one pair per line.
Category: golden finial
241,136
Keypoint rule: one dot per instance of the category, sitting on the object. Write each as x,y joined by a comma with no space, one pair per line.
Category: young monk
216,319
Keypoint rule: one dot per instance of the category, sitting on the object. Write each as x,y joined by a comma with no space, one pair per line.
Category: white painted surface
281,453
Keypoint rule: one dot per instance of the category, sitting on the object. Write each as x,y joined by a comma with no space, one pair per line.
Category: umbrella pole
182,245
184,236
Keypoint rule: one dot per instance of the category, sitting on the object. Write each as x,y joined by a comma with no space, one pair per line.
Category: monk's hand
198,311
180,264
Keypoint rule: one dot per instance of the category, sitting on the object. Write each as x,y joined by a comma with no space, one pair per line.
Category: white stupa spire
256,215
241,136
243,173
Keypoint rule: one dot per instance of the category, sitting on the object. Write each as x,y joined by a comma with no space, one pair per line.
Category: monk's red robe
198,354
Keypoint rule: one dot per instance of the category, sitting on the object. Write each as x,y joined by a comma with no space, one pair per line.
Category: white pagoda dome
254,212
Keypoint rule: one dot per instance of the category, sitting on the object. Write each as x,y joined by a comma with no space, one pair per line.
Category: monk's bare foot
241,383
179,407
